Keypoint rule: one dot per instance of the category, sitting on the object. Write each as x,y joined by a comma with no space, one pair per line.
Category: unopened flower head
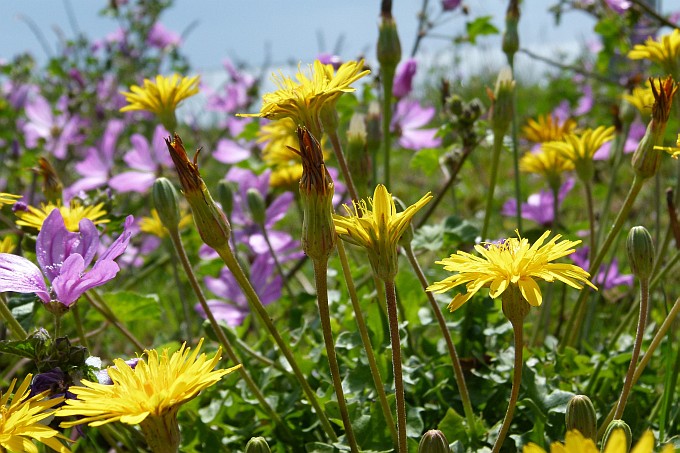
72,214
547,128
665,51
547,162
161,97
580,148
376,225
22,420
512,262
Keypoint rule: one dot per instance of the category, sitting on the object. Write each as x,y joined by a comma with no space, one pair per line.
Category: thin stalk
556,208
662,273
256,305
388,82
221,336
497,147
453,355
98,303
79,326
277,263
642,322
340,156
575,321
588,187
518,331
391,298
142,274
184,302
366,341
321,280
660,334
17,331
422,27
514,131
616,159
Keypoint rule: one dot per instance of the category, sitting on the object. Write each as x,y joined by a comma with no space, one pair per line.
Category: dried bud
389,47
256,206
257,445
613,426
640,250
166,202
433,441
210,221
581,416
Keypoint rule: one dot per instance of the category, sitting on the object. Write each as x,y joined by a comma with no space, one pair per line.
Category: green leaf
458,231
429,237
453,426
427,160
481,26
130,307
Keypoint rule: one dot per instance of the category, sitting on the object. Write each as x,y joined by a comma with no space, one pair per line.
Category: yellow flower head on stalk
642,98
665,51
576,443
161,97
8,198
72,214
512,262
279,137
22,420
547,128
303,99
673,151
548,163
580,148
157,386
377,226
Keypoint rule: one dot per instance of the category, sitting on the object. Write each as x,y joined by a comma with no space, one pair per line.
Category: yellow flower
548,163
547,128
72,214
161,97
580,148
512,262
303,99
8,198
673,151
154,225
279,137
576,443
155,387
7,245
21,420
377,226
665,51
642,98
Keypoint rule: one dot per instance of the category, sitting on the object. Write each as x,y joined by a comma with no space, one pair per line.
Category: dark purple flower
450,5
63,257
330,58
540,207
608,276
55,381
403,80
408,119
265,280
58,131
161,38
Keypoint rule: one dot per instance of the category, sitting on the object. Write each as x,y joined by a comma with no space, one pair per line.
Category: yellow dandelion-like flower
72,214
377,226
161,96
303,99
279,137
512,262
642,98
548,163
580,148
673,151
21,420
665,51
7,245
157,386
547,128
576,443
154,225
8,198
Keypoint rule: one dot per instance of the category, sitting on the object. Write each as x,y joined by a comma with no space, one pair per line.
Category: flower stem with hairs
391,298
497,146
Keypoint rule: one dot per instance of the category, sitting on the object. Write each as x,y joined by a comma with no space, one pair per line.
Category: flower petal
19,275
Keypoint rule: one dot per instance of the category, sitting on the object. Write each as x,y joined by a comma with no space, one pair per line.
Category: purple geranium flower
63,257
608,276
265,280
234,94
619,6
58,131
408,119
403,80
162,38
147,161
540,207
637,131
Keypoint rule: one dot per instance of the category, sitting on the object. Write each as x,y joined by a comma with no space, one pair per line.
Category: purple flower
637,131
608,276
234,95
403,80
161,38
265,280
147,161
450,5
408,118
58,131
231,151
63,257
330,58
103,374
619,6
540,206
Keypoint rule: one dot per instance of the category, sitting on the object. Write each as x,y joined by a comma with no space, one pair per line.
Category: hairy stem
391,298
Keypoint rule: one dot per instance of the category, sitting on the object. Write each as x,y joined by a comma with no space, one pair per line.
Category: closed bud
613,426
581,416
225,195
502,102
166,202
640,250
511,36
389,47
373,134
257,445
358,159
433,441
256,206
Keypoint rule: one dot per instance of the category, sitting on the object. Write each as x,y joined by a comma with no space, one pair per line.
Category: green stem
615,159
514,130
98,303
391,299
320,277
17,331
184,301
518,330
57,325
224,341
453,355
556,208
587,185
575,321
256,305
662,273
366,341
79,326
388,82
497,147
340,156
642,322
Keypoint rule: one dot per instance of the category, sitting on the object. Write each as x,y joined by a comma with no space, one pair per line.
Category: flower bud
613,426
256,206
640,250
389,47
511,36
257,445
502,109
433,441
358,159
373,135
581,416
166,202
225,195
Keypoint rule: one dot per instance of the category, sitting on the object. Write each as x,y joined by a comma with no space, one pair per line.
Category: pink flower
408,119
403,80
